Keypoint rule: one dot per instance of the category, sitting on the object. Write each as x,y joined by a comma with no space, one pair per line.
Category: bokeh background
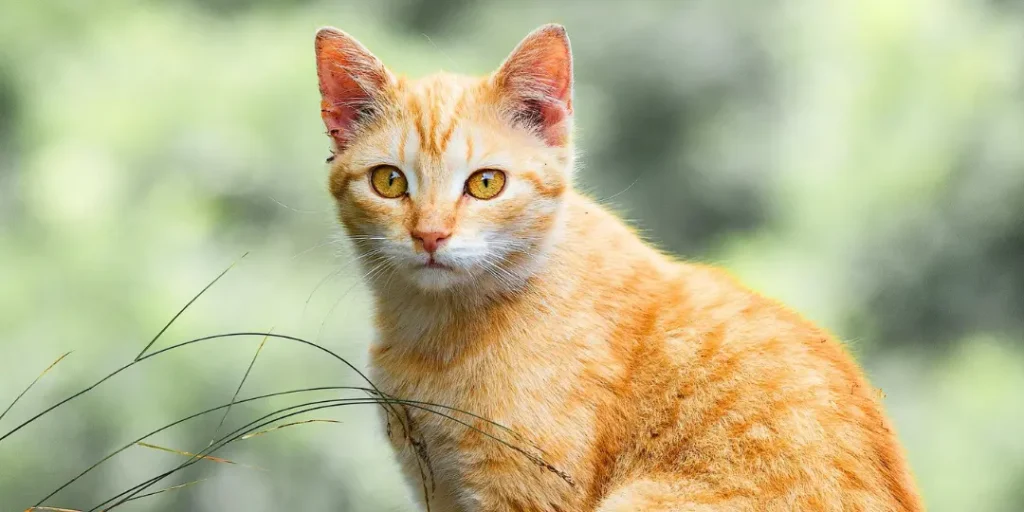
862,160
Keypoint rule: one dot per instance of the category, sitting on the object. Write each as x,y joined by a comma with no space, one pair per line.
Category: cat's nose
431,240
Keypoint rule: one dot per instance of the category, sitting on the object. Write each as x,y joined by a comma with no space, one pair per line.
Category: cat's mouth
432,263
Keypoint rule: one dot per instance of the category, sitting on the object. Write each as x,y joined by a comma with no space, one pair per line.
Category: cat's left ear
535,83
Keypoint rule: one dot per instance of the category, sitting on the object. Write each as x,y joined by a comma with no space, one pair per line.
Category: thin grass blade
186,306
166,489
33,383
225,440
286,425
239,388
194,455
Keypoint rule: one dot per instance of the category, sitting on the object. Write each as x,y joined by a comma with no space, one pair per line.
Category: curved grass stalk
288,412
174,424
426,474
426,406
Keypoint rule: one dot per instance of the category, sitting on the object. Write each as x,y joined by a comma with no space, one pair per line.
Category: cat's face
449,181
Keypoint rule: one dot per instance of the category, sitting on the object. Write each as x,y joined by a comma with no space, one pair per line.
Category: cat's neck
589,245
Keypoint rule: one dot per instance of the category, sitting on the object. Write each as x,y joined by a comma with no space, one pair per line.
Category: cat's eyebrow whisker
296,210
606,201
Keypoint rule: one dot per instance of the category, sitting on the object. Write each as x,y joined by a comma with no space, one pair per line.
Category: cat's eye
388,181
485,184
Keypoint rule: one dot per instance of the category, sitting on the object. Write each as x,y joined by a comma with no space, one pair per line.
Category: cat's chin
437,278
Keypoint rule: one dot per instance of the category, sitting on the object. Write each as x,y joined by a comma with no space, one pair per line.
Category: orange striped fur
656,385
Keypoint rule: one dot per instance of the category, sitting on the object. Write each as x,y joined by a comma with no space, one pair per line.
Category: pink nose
431,240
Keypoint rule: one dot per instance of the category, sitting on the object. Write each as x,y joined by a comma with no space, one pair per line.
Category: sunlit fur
657,385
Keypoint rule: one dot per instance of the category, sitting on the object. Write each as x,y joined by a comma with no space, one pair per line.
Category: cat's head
449,181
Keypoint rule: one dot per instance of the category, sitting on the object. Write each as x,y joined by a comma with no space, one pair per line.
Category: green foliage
858,159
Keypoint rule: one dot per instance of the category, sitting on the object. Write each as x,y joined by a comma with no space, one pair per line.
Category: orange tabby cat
651,384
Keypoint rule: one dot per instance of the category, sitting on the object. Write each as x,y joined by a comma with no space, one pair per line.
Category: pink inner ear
340,112
553,128
349,78
538,77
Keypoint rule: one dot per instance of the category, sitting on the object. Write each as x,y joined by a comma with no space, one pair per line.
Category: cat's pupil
391,178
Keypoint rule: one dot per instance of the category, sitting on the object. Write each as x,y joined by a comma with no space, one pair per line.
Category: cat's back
715,382
754,402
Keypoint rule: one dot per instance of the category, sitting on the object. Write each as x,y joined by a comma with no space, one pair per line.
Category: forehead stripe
446,137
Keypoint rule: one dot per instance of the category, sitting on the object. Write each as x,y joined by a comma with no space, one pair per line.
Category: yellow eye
388,181
485,184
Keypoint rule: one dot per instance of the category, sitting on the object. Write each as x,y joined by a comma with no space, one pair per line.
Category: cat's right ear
352,83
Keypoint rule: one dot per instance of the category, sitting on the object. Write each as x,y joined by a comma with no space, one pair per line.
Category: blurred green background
862,160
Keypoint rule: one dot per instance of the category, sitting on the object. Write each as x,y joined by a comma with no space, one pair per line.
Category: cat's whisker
391,275
342,297
362,237
489,269
310,249
323,281
497,265
506,280
372,253
333,275
390,272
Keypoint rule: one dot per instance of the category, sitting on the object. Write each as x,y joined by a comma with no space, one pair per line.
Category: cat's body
636,374
653,385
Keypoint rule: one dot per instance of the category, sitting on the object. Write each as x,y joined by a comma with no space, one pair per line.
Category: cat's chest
491,373
443,395
496,414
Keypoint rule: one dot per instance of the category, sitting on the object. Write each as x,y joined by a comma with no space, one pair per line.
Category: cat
632,381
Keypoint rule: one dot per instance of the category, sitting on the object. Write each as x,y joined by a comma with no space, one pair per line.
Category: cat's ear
535,83
353,83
